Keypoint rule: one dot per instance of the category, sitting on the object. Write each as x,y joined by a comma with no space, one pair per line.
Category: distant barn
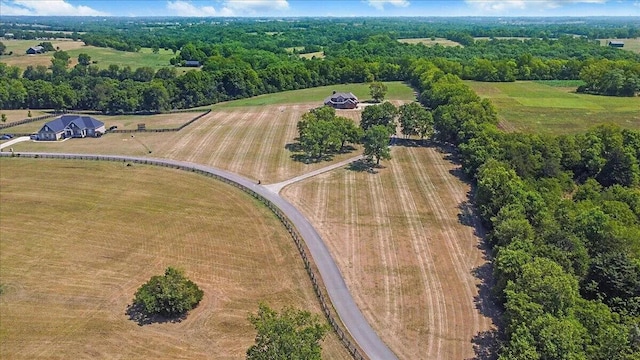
617,44
35,50
339,100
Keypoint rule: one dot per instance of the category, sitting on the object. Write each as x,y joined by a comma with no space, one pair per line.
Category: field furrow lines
463,311
420,237
186,138
387,252
266,146
228,143
247,142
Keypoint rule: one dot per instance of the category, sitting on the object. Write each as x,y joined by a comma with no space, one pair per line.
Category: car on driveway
6,137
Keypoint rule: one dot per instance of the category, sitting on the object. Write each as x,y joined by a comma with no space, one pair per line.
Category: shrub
170,295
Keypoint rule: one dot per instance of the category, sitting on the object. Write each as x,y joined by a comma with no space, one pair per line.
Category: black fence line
26,121
324,303
127,131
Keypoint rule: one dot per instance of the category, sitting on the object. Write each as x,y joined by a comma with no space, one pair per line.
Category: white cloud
46,8
379,4
253,7
186,8
505,5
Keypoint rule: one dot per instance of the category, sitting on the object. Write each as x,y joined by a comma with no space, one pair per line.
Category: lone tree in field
4,118
376,143
171,295
378,91
290,335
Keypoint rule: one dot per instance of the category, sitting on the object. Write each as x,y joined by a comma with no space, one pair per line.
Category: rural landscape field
397,187
71,263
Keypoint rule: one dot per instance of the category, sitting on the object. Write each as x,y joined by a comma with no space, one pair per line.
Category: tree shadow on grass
137,314
365,165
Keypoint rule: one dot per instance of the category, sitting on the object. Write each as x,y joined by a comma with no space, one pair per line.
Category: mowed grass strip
533,106
407,257
74,249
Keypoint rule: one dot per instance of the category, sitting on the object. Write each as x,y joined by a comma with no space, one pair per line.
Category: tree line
563,214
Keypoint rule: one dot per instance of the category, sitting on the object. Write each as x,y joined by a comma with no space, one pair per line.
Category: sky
315,8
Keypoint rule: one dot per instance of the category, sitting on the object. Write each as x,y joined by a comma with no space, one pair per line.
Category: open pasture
17,115
73,253
430,41
629,44
400,240
130,122
396,91
251,140
537,107
103,57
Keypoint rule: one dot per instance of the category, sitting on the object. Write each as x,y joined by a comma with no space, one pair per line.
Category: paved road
343,302
278,186
14,141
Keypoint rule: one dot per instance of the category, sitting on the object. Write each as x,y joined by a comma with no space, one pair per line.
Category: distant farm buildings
35,50
339,100
617,44
68,126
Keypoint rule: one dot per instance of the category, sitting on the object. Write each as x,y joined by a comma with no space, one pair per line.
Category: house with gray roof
341,100
68,126
616,43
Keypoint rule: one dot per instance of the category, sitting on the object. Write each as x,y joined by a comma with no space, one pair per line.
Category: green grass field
534,106
397,91
102,56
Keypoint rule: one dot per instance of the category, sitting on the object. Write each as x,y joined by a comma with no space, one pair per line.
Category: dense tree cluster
564,220
288,335
321,132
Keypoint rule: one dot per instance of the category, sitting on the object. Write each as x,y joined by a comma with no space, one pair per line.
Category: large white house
67,126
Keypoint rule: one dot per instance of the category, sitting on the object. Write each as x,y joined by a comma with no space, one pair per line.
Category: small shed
616,43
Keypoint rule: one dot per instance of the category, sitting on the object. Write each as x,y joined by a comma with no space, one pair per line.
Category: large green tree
378,91
376,143
289,335
170,295
415,120
383,114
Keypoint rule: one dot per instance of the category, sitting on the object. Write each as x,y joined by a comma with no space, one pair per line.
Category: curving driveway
341,298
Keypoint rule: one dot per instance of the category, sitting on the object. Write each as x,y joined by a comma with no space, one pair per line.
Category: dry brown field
250,141
629,44
406,243
74,248
130,122
16,115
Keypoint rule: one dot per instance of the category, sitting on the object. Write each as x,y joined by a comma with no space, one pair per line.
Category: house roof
83,122
340,98
36,48
192,62
614,42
